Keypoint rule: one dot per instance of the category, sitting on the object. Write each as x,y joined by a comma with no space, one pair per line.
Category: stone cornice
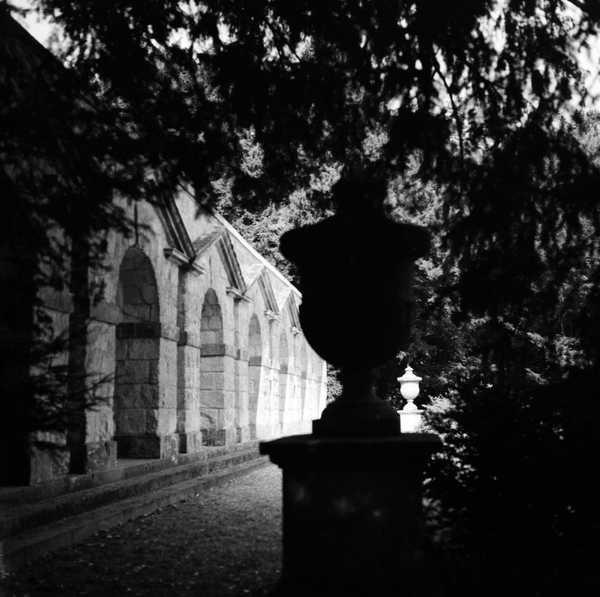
175,256
271,316
182,260
237,295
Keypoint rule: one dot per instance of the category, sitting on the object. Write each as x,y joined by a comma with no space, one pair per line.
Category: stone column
100,363
188,392
217,394
283,406
243,431
145,399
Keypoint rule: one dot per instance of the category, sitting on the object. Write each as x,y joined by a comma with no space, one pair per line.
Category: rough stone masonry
196,340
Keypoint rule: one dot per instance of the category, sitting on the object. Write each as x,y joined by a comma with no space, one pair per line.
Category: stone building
195,340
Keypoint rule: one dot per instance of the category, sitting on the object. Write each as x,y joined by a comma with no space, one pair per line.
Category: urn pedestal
352,514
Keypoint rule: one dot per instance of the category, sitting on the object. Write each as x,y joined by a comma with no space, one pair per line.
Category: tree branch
279,38
457,117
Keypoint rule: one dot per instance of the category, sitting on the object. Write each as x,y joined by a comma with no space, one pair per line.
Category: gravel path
225,541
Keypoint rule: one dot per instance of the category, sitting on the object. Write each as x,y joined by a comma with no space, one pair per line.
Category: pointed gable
220,238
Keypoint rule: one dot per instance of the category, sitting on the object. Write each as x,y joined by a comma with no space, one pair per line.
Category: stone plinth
352,520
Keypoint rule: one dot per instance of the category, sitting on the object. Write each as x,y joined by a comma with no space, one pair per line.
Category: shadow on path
225,541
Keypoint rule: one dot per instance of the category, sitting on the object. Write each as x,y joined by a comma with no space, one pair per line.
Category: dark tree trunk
17,296
78,340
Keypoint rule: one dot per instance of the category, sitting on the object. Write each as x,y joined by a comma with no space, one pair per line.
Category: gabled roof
266,288
220,238
204,242
252,271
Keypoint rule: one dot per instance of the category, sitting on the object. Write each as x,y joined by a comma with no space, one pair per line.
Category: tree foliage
470,110
510,497
63,157
266,96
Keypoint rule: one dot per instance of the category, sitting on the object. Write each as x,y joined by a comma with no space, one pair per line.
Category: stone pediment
221,240
203,243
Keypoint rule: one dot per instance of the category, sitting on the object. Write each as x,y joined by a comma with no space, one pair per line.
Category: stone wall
195,341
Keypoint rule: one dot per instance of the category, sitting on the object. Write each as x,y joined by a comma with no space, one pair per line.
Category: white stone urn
411,420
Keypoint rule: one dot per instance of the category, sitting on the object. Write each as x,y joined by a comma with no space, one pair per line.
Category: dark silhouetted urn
356,272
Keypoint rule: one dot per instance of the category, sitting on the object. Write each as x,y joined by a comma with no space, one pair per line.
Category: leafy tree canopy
470,110
266,98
